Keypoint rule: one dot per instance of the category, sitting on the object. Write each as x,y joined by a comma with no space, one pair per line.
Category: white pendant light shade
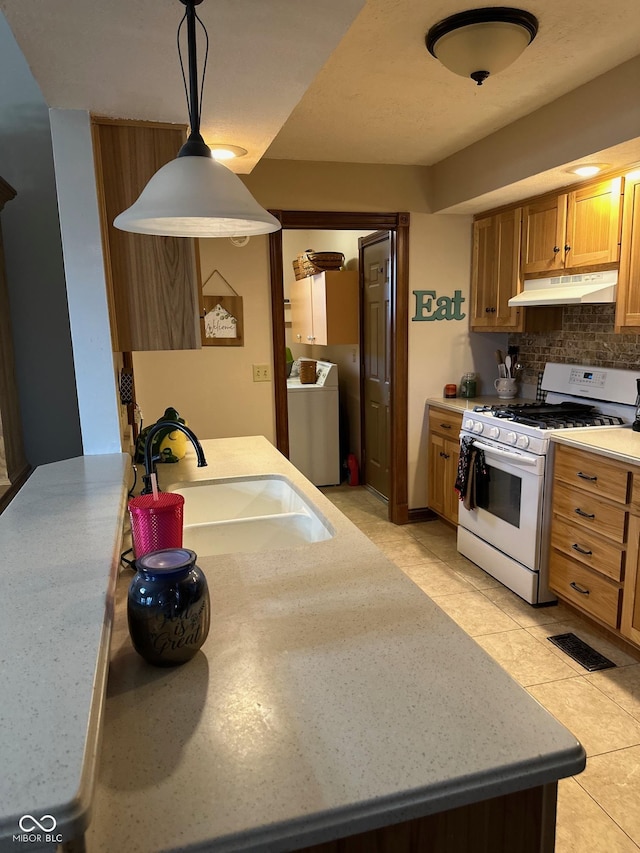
481,42
196,197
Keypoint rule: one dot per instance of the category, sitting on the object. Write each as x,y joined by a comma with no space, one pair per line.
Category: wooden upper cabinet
628,299
495,272
543,232
152,282
576,229
325,308
593,225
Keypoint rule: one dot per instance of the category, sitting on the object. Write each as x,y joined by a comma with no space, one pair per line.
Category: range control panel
609,384
590,379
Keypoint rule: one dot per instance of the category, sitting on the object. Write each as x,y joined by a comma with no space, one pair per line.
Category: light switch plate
262,373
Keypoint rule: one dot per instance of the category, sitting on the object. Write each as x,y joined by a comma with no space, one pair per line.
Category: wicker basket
310,263
307,371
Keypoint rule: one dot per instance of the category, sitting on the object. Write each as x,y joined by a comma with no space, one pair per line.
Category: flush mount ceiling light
481,42
221,151
194,195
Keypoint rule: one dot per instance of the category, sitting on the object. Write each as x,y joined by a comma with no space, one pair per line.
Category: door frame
398,225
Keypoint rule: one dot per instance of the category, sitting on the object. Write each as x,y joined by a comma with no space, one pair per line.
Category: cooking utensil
499,356
507,364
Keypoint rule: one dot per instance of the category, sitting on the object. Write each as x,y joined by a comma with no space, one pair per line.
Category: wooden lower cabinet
595,553
522,822
630,622
444,452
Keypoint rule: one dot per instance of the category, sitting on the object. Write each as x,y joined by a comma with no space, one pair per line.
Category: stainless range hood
595,287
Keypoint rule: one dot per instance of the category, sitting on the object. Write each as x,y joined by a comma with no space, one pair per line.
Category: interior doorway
397,224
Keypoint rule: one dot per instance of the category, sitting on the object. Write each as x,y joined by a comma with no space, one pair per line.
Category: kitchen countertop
60,539
463,404
330,697
620,442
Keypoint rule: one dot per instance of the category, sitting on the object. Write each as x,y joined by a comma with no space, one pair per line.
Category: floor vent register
581,652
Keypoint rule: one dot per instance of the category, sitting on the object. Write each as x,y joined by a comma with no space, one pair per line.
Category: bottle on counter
468,385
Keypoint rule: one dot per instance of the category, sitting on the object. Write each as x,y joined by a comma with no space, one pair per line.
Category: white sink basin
238,497
248,514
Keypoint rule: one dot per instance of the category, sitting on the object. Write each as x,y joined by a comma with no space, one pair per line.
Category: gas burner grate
552,416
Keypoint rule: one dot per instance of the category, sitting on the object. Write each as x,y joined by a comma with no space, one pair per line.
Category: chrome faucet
150,460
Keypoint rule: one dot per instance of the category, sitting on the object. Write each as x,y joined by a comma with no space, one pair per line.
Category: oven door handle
524,461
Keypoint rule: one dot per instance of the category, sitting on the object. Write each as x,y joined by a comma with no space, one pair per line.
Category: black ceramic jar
168,607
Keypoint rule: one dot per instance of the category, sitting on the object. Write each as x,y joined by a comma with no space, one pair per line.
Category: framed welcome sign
221,324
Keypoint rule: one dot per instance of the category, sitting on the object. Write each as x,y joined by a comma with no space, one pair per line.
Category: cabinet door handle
586,477
584,514
575,586
567,248
445,426
580,550
487,310
556,249
444,455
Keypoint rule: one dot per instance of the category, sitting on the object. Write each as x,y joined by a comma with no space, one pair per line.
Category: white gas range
504,529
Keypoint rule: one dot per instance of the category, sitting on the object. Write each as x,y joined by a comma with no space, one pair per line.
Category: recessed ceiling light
587,170
221,151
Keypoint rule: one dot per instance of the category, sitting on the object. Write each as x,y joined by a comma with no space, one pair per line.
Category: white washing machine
314,430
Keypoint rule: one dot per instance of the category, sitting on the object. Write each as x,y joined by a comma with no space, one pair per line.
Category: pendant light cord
194,98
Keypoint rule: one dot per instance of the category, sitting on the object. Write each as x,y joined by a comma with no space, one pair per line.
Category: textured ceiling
384,99
323,80
119,58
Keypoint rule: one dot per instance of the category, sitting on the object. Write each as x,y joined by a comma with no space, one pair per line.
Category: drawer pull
444,455
575,586
584,514
586,477
580,550
445,426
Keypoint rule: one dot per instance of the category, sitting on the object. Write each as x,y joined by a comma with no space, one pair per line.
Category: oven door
509,514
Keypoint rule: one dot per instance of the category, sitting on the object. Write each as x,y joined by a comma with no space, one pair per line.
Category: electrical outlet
261,373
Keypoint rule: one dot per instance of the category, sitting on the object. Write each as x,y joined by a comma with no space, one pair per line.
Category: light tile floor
598,810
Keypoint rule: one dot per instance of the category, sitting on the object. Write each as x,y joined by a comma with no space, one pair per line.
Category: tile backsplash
587,337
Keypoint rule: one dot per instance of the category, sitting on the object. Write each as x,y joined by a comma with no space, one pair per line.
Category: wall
35,272
86,286
600,114
587,337
213,388
441,351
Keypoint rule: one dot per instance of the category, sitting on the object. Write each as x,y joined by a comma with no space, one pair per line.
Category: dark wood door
375,266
